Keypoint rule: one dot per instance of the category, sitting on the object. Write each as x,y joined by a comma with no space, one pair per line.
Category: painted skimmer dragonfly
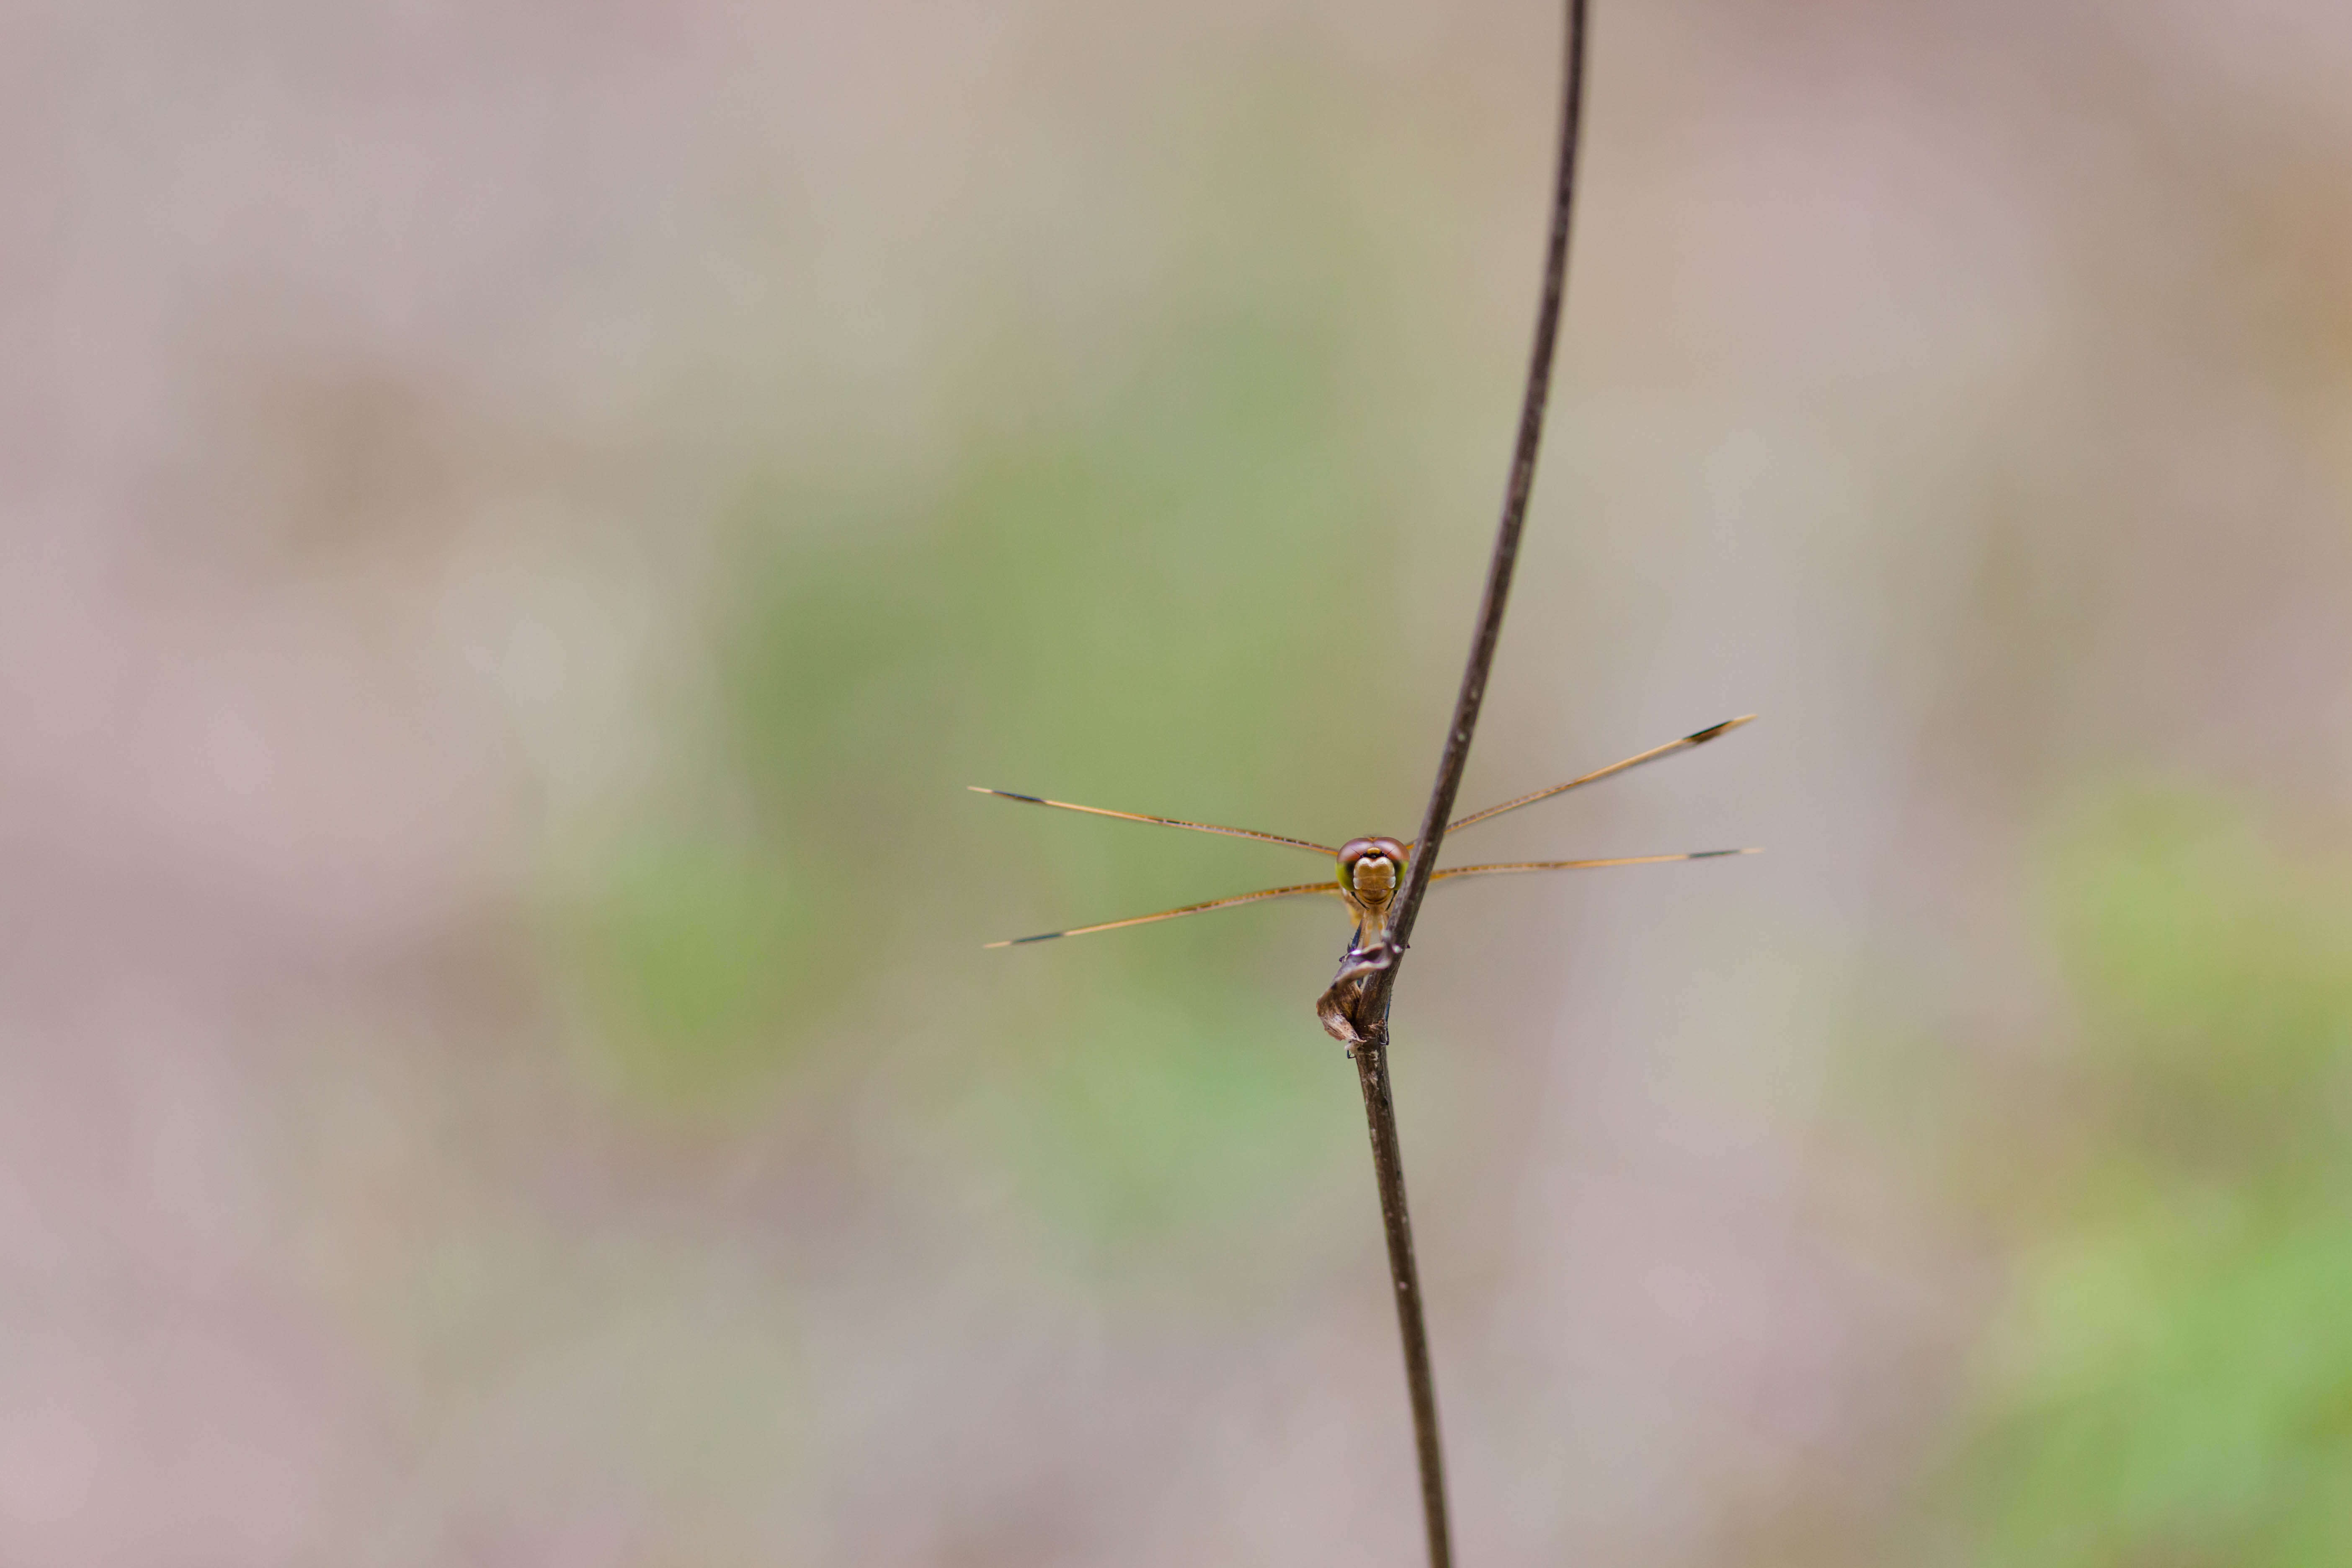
1370,871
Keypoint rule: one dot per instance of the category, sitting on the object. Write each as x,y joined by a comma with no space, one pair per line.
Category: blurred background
520,521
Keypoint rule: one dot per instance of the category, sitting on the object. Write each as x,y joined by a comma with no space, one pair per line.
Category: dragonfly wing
1160,821
1584,865
1302,891
1696,738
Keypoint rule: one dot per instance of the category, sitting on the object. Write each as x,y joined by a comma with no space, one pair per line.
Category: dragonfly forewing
1696,738
1157,821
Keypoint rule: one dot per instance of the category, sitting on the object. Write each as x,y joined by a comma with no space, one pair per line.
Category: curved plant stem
1456,754
1388,1171
1356,1008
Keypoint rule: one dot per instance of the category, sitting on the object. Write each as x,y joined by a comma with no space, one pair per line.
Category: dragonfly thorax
1370,870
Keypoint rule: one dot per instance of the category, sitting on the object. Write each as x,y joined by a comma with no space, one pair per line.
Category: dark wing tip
1018,940
1711,853
1006,793
1700,737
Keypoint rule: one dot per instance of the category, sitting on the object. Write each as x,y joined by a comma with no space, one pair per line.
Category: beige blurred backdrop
520,521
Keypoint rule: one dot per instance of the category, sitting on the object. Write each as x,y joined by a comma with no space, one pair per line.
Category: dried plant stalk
1356,1007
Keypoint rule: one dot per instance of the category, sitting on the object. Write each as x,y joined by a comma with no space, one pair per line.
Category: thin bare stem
1456,754
1421,1385
1356,1008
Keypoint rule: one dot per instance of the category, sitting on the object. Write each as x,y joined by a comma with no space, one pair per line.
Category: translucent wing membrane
1584,865
1300,891
1161,821
1699,738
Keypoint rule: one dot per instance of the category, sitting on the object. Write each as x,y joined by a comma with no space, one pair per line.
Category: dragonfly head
1370,870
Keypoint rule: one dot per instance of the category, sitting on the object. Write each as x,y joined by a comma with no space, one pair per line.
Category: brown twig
1356,1008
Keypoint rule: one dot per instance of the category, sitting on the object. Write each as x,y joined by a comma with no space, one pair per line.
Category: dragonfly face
1370,872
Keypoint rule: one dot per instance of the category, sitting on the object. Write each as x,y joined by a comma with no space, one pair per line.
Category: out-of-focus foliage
2171,1379
1138,589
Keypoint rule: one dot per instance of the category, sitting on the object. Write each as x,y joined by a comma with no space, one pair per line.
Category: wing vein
1301,890
1513,866
1158,821
1696,738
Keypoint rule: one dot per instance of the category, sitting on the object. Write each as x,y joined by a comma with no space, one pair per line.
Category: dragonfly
1370,871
